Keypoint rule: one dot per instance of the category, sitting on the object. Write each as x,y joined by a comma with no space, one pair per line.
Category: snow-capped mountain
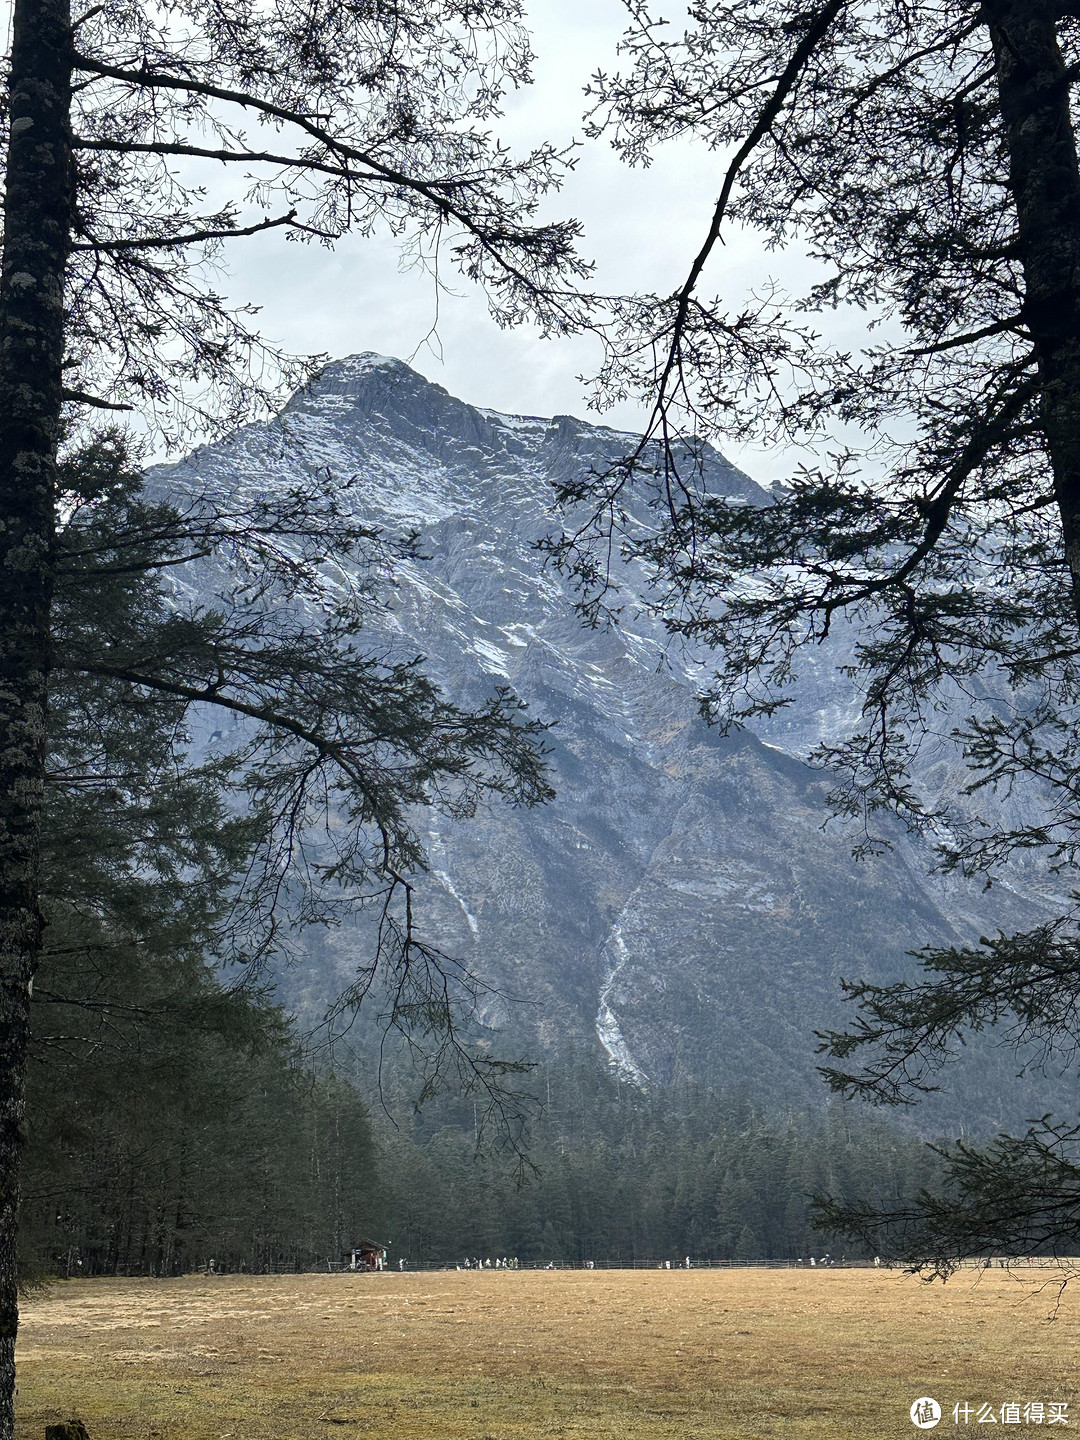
679,907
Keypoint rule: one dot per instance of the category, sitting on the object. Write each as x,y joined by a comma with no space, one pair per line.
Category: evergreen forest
619,1177
163,1146
198,1135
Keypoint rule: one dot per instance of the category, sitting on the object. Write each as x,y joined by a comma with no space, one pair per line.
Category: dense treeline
184,1129
168,1119
624,1177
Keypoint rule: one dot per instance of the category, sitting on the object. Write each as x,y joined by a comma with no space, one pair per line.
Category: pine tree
336,117
161,862
156,1072
925,158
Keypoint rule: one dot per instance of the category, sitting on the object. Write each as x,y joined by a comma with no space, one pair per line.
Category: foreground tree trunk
1044,175
37,217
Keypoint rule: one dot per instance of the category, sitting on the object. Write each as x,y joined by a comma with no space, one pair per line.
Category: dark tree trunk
37,218
1044,176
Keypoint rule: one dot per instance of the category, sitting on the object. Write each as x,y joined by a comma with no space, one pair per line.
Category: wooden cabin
366,1255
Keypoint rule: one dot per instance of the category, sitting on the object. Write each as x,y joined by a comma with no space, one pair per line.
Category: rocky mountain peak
385,394
680,907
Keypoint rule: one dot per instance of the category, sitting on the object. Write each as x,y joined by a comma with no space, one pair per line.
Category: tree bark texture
1044,175
37,223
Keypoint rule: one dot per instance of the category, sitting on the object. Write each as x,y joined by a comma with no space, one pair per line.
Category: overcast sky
642,227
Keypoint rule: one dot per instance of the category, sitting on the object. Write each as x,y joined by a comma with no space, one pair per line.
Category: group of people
496,1264
825,1260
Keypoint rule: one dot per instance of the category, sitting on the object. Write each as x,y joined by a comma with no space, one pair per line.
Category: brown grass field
594,1355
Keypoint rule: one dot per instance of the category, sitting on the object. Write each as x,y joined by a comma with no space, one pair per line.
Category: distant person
401,1263
687,1262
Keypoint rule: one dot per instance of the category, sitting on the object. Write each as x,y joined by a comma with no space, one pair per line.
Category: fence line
994,1262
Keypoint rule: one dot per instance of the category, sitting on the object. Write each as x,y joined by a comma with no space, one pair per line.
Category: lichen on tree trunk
37,222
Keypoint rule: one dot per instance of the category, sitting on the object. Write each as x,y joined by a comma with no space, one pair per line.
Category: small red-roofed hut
366,1255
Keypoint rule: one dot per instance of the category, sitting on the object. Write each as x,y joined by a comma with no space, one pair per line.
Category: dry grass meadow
667,1355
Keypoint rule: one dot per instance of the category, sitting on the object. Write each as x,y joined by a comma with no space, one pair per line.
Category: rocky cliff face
679,907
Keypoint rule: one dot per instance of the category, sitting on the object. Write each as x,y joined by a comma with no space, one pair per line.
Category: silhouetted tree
924,157
158,1072
334,117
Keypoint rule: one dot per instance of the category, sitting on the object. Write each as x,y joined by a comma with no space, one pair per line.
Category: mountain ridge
681,906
